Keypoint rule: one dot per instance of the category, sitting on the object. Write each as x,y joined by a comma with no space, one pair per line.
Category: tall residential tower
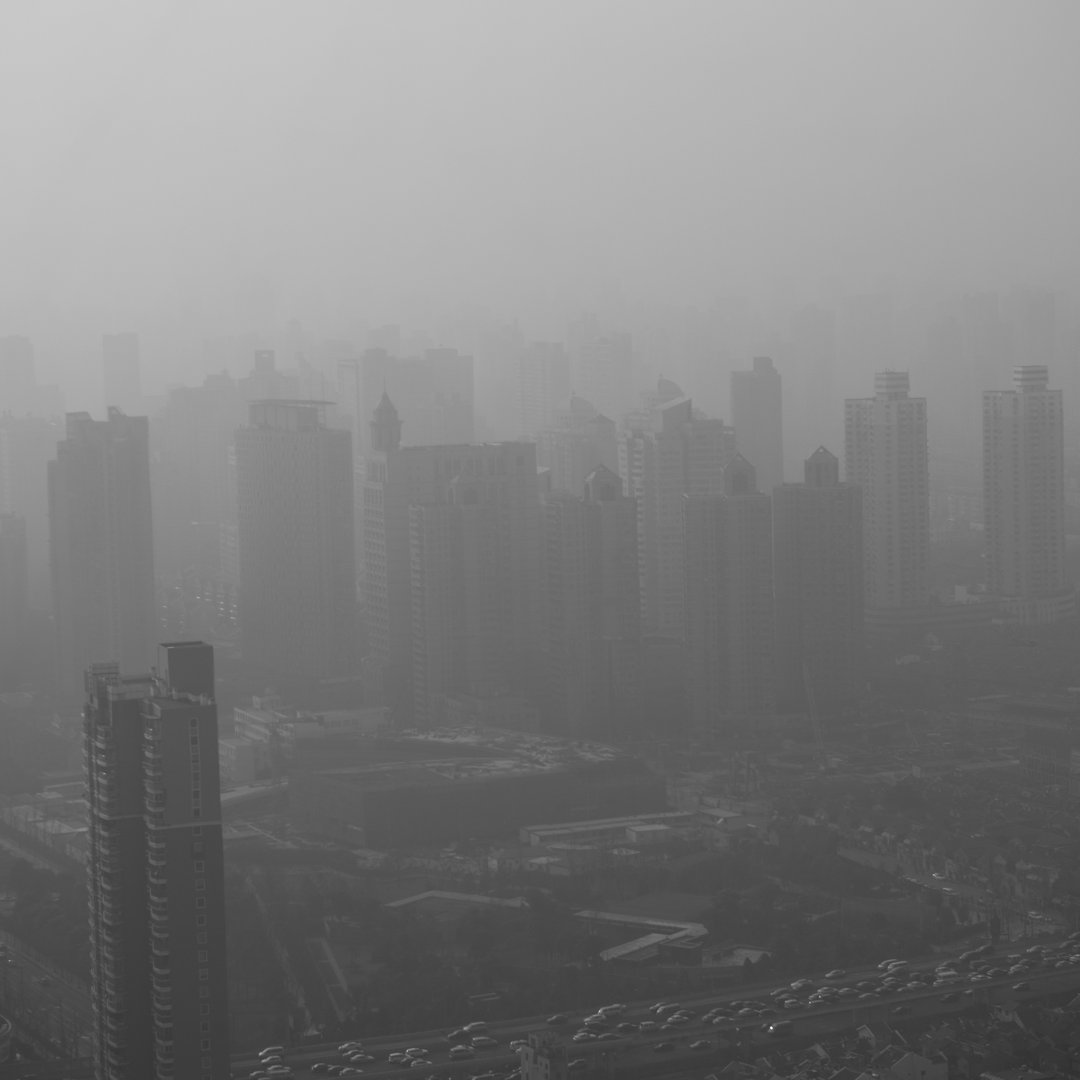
757,416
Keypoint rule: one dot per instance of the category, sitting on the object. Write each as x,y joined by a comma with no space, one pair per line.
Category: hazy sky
158,159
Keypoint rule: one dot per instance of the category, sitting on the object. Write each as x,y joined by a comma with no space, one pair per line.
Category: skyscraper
13,600
818,573
101,545
121,372
580,440
485,499
885,453
674,452
155,870
593,610
730,618
757,416
297,557
544,381
1024,496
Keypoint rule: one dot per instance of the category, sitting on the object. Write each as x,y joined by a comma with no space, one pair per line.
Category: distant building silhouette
544,383
818,583
155,870
885,453
101,545
757,416
671,452
296,542
14,606
579,441
593,611
1024,497
121,372
730,618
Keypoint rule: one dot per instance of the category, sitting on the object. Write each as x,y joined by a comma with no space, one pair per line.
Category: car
678,1018
647,1025
352,1044
1038,916
848,991
460,1035
266,1051
577,1065
584,1036
273,1059
836,973
462,1051
886,964
416,1051
779,1028
701,1044
948,999
979,978
397,1058
612,1010
627,1027
609,1035
940,877
361,1057
335,1070
666,1010
596,1018
416,1063
556,1019
1020,987
280,1070
868,995
517,1044
484,1041
320,1067
476,1027
791,1003
258,1074
663,1047
747,1012
802,984
900,1010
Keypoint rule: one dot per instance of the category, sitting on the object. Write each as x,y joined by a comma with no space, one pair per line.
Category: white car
461,1052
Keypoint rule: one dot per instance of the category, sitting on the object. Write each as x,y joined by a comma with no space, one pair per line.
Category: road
636,1052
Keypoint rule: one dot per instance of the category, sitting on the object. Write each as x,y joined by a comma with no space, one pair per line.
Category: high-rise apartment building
544,380
818,583
155,870
593,610
483,498
121,372
757,416
885,453
730,616
1024,496
580,441
101,545
677,452
296,542
14,607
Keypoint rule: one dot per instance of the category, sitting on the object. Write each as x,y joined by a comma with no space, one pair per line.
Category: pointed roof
386,406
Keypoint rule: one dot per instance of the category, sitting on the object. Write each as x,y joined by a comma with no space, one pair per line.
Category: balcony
160,968
160,934
154,875
158,917
163,1030
162,1005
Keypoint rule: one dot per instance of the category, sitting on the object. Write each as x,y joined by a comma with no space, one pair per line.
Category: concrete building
544,382
1024,497
479,503
757,410
593,611
730,618
675,452
603,367
579,440
818,584
121,372
156,879
101,545
295,532
14,607
885,453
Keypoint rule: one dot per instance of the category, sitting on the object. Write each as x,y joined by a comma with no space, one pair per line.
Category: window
200,901
204,1044
204,1009
200,920
200,866
204,956
197,831
200,939
196,812
204,991
204,974
204,1027
200,884
197,847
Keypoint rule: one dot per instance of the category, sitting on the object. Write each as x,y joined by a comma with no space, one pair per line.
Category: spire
385,426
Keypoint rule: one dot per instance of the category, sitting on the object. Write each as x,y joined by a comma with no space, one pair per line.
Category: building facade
544,383
757,416
121,372
101,545
580,440
158,971
593,611
730,617
296,542
885,454
1024,496
14,606
818,584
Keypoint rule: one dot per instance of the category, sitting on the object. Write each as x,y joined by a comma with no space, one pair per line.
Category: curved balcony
160,932
162,1005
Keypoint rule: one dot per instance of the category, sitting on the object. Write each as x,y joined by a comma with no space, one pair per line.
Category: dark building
818,582
13,600
101,545
155,871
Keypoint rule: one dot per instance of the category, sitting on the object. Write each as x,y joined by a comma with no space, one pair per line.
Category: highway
636,1052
